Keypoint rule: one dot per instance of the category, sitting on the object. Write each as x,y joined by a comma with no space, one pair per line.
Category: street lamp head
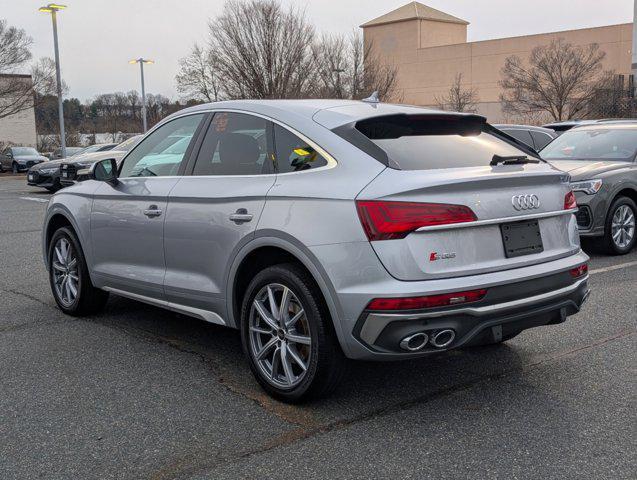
51,7
141,60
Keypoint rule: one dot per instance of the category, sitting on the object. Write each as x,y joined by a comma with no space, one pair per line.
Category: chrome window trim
492,221
147,134
331,161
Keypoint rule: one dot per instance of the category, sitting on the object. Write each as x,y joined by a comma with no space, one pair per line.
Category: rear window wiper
512,160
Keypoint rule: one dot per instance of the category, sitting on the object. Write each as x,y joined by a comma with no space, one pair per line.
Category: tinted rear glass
431,142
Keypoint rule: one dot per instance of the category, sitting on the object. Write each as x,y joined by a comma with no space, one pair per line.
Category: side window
541,140
294,154
161,153
235,144
521,135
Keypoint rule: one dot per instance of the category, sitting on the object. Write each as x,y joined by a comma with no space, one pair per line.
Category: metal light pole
53,8
634,59
141,62
338,72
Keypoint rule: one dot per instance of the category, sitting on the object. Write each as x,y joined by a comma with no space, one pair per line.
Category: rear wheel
288,336
619,233
69,278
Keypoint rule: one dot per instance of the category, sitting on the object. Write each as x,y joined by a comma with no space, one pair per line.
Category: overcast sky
97,38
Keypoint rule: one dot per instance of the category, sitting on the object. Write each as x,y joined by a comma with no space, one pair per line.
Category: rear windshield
617,143
431,142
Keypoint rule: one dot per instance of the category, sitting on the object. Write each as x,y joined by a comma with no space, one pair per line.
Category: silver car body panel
187,258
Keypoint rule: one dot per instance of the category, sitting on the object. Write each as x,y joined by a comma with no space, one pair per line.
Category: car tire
67,266
279,370
627,209
14,168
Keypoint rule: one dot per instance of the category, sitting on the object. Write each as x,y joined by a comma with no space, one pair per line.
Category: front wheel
69,278
619,233
288,337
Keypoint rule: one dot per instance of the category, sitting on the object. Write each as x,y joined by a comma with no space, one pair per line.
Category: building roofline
414,11
527,35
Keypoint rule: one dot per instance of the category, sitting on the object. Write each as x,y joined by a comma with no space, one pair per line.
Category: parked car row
47,175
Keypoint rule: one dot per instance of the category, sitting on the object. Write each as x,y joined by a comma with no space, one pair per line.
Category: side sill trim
205,315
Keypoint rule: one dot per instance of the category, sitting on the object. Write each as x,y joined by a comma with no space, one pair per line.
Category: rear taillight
579,271
569,201
391,220
429,301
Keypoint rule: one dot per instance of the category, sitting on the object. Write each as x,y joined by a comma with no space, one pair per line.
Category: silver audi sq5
324,231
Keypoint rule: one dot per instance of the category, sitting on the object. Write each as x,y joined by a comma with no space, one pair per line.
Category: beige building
429,48
18,129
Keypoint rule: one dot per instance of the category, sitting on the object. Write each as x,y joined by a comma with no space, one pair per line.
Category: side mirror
102,171
10,154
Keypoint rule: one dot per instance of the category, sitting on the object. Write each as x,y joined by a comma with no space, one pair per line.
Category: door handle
152,211
240,216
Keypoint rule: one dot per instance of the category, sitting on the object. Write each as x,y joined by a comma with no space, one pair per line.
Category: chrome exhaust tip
443,338
415,342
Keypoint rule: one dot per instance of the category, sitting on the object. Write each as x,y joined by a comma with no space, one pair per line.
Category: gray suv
324,230
601,159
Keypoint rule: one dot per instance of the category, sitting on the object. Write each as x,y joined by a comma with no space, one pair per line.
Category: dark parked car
19,159
48,176
69,169
600,157
535,137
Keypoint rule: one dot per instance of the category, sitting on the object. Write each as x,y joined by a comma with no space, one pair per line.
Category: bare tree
16,93
348,67
458,98
198,76
261,50
559,79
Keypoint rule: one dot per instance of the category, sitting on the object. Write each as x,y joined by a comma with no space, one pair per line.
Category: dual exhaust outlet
418,341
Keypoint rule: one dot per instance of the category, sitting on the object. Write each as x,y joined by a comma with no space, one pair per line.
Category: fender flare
284,241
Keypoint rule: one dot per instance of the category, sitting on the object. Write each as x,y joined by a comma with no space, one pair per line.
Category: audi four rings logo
525,202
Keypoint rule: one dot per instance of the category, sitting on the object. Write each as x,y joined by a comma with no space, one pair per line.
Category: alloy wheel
66,278
623,226
280,339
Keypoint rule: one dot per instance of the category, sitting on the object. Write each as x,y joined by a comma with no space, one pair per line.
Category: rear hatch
460,199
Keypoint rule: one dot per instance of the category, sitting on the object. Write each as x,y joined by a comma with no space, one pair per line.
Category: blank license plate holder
521,238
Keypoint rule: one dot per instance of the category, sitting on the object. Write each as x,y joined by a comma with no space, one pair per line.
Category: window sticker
220,121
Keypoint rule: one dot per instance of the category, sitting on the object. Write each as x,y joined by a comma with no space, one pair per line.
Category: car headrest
238,149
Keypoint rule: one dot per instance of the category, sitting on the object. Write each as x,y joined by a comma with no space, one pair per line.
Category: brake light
579,271
429,301
390,220
569,201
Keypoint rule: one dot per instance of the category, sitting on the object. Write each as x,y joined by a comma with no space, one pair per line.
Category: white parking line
612,267
33,199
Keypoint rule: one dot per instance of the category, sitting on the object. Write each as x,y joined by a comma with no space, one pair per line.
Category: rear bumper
537,294
382,332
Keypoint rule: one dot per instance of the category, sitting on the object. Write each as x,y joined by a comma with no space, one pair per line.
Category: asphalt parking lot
141,393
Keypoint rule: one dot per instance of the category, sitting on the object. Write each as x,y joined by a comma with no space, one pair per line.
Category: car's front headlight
49,170
590,187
